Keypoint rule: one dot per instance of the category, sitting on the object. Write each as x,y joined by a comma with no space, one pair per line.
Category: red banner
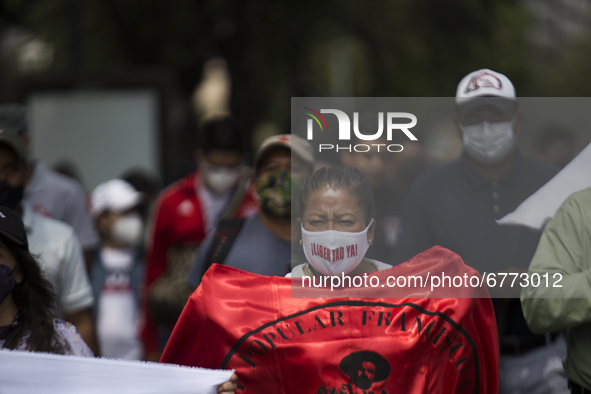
279,344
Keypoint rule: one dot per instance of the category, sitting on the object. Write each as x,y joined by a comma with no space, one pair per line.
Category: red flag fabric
281,344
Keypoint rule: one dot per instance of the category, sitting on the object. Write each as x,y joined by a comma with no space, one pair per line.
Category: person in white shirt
53,243
118,268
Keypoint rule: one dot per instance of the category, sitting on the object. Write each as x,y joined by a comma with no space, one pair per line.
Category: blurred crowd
123,259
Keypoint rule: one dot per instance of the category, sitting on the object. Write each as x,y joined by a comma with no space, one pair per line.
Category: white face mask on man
488,143
128,229
220,179
333,252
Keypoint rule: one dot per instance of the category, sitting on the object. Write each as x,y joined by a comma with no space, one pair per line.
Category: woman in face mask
118,268
27,301
337,225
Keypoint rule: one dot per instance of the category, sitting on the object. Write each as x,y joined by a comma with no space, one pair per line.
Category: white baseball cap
486,83
114,195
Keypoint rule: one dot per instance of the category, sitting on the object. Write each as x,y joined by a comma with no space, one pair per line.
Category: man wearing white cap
261,243
117,269
457,204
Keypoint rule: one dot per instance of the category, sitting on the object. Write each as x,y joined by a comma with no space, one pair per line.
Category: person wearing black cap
27,302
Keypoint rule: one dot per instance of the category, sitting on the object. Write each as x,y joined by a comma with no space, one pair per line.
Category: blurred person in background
261,243
556,145
376,165
183,215
456,205
27,300
53,242
563,255
117,271
49,193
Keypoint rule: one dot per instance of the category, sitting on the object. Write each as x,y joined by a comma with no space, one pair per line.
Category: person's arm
76,298
158,244
75,345
84,322
563,253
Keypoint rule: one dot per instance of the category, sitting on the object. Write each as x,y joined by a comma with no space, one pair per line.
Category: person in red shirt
188,209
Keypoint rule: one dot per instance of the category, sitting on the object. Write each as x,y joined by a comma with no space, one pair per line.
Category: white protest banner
27,372
541,206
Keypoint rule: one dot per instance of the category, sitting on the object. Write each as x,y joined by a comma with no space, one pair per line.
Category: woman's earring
370,242
301,242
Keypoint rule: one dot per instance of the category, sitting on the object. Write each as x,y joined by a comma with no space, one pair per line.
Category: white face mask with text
333,252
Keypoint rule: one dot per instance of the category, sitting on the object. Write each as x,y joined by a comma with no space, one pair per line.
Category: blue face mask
6,282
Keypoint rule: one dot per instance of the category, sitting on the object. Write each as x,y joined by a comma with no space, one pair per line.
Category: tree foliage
279,49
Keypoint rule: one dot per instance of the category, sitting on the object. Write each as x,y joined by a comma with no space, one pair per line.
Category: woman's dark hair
35,301
349,179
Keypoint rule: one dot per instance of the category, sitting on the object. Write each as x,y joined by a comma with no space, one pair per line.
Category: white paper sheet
541,206
25,372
